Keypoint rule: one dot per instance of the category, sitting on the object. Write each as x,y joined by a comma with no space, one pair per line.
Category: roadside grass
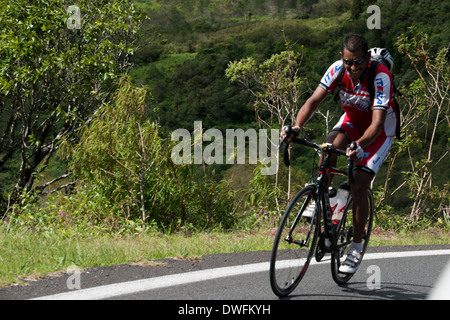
26,256
430,236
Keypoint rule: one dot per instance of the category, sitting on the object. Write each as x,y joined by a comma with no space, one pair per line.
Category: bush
122,159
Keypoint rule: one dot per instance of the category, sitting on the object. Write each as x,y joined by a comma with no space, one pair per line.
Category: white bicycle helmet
382,54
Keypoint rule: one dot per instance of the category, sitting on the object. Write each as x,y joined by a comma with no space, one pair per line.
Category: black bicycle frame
321,188
322,191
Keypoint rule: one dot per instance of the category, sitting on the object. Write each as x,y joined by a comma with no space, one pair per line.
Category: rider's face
355,62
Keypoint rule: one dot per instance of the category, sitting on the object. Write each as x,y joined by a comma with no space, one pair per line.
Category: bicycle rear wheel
344,233
294,243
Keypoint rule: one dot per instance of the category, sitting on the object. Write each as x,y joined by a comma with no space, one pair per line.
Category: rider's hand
295,130
356,153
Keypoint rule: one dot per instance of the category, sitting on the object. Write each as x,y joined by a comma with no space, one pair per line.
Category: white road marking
130,287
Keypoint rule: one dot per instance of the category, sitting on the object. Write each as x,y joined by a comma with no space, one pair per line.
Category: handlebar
324,147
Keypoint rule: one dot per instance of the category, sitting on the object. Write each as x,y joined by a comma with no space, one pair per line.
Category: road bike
299,238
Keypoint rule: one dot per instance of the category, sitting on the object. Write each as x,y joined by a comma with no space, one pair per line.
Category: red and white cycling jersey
356,98
358,111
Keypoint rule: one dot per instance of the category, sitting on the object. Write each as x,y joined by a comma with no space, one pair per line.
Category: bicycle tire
344,235
290,260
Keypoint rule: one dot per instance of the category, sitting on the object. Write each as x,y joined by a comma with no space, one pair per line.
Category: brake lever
351,179
281,142
288,130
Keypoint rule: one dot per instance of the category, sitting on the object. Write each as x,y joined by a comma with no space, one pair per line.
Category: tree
425,123
276,85
120,154
122,158
57,68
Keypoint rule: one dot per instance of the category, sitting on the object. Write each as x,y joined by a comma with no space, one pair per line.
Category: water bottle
341,200
333,199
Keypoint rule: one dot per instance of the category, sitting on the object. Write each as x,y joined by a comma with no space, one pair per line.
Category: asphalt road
386,273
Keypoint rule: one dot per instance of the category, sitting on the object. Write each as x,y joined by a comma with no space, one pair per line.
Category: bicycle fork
302,243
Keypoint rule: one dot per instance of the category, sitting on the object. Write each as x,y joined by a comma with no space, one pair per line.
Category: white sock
357,246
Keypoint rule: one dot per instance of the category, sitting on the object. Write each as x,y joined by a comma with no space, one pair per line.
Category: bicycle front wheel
344,234
294,243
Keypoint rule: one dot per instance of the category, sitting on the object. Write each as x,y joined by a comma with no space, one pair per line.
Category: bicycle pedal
319,255
321,249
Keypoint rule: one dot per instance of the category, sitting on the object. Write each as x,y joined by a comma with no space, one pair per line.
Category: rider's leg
344,132
374,156
360,213
360,203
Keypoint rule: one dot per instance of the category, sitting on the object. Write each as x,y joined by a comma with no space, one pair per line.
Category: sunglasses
355,62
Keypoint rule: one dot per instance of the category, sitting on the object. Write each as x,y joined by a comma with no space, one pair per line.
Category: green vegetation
53,77
85,142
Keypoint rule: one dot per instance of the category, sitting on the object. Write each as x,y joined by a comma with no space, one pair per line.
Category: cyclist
372,125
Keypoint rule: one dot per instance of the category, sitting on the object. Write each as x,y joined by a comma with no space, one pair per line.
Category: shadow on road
359,290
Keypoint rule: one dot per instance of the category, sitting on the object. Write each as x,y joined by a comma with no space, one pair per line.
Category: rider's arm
307,110
383,90
310,106
383,98
327,85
